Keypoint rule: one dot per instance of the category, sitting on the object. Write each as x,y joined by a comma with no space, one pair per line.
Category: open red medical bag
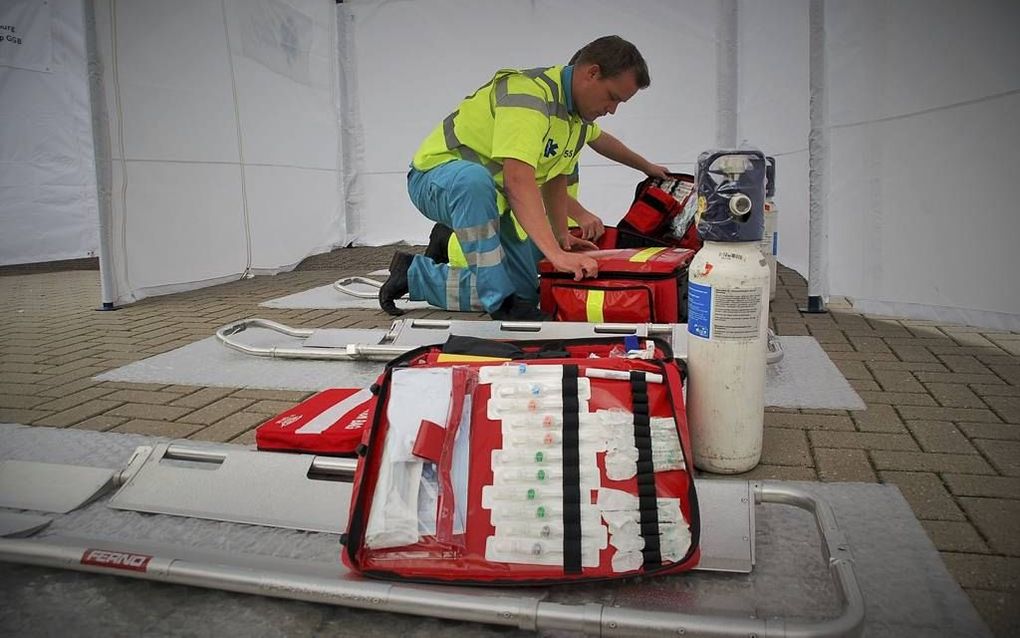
525,463
659,215
633,286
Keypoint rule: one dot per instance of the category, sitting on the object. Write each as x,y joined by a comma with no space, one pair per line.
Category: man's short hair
614,55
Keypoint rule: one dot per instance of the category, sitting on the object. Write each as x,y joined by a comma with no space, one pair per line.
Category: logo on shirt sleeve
550,148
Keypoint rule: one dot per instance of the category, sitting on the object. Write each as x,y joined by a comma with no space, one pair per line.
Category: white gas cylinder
727,323
770,243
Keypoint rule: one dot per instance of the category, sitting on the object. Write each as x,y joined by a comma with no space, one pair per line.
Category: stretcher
407,334
225,482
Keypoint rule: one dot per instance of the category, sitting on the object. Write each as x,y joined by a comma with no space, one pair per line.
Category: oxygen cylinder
770,239
727,314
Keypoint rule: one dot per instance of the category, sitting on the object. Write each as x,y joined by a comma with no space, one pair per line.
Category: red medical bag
633,286
545,462
330,422
651,218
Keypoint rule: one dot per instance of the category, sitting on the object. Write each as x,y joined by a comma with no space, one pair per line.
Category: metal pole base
815,305
107,305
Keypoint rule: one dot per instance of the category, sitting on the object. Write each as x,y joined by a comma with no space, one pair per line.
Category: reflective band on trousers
593,306
486,259
478,233
644,255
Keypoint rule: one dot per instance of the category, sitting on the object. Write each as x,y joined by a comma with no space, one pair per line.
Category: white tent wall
772,112
47,171
409,63
923,101
223,139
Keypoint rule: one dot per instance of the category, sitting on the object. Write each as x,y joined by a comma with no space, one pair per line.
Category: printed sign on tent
25,38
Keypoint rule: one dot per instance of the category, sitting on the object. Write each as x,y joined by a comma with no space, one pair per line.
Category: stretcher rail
387,351
298,580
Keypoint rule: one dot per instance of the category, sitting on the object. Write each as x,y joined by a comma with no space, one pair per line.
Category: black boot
514,308
396,286
438,249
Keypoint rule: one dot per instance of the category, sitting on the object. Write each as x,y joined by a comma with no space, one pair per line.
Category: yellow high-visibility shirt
518,114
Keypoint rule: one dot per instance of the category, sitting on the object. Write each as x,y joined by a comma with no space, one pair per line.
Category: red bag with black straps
513,463
656,216
634,285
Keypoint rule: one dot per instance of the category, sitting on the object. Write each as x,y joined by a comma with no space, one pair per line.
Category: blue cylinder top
731,195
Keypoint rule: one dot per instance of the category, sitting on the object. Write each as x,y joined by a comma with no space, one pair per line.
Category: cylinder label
699,310
737,313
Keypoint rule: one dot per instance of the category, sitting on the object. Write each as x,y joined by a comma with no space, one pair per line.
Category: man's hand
576,244
591,226
578,263
655,170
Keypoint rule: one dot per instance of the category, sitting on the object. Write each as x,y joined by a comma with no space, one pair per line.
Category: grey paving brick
828,336
957,377
78,413
143,396
808,421
766,472
863,441
149,412
868,385
863,356
124,385
941,437
1008,408
997,519
24,417
954,536
988,390
1004,455
897,381
927,462
202,397
272,395
854,370
157,428
983,486
20,401
999,610
971,339
964,364
947,414
230,427
270,408
868,344
897,398
955,395
978,571
843,465
782,446
68,388
836,347
101,423
909,366
1008,431
1009,373
217,410
927,496
913,353
245,438
879,418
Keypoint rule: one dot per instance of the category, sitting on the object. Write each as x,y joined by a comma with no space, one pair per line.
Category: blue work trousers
462,195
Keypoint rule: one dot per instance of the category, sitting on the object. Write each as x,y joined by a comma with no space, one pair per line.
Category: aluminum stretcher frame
406,334
313,582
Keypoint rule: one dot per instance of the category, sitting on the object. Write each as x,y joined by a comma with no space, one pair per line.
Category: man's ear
594,71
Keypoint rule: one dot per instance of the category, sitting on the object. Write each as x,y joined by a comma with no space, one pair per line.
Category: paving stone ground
943,417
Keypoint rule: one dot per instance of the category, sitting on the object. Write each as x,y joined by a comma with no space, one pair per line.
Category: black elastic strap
648,509
571,474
